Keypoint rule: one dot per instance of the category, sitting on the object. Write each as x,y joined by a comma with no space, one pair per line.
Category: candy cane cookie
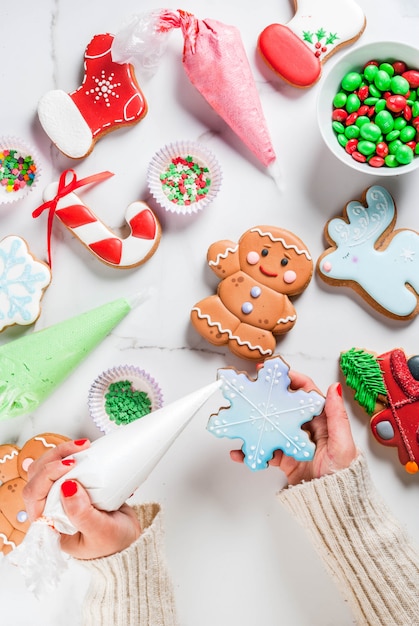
122,253
297,50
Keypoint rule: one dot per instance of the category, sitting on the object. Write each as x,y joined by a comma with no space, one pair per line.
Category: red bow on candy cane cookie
145,230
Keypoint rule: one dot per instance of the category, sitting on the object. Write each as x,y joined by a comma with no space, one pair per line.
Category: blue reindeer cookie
367,255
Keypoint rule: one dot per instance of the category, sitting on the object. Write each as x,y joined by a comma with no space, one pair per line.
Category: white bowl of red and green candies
368,109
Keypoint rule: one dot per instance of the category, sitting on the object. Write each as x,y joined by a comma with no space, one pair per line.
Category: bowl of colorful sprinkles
121,395
368,108
184,177
19,169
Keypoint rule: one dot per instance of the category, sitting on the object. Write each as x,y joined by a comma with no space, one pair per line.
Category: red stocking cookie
252,305
108,98
297,50
14,464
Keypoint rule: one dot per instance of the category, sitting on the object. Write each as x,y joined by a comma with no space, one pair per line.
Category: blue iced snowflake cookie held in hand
266,414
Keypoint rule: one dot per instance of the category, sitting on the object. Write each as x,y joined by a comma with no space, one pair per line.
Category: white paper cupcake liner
20,169
112,408
184,196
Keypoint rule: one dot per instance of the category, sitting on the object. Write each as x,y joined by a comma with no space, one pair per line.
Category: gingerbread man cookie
387,387
252,305
108,98
14,464
296,51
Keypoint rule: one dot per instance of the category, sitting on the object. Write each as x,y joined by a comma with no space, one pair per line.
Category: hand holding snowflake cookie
330,435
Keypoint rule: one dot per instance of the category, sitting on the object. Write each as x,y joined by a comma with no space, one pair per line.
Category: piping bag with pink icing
111,470
215,62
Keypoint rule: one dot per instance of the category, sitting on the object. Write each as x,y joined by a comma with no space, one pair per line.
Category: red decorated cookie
108,98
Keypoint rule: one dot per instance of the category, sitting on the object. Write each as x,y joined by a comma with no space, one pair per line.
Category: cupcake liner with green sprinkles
122,395
19,169
184,177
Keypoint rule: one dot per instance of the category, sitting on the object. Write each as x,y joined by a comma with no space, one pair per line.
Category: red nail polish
80,442
339,390
69,488
68,462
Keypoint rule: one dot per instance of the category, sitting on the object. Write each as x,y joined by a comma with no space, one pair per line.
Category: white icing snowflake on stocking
105,88
266,414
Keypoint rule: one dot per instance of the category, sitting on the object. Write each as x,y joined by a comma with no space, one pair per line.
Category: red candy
351,119
396,104
381,149
339,115
361,158
351,145
376,161
412,77
399,67
363,92
407,113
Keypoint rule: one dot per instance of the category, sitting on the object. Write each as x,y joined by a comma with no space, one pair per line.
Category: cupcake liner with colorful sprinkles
121,395
19,169
184,177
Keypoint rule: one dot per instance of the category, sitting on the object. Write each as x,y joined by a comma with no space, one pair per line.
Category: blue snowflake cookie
266,414
23,280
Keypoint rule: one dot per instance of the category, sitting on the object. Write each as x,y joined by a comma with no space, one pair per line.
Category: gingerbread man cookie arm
223,258
287,319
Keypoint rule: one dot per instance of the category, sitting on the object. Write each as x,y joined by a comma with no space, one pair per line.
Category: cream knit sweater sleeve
133,587
363,546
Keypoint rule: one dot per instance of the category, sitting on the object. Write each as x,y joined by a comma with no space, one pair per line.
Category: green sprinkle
123,404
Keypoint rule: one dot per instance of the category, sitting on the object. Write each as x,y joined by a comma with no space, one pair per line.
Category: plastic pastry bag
216,63
111,469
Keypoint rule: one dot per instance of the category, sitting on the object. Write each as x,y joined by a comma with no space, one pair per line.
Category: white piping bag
111,469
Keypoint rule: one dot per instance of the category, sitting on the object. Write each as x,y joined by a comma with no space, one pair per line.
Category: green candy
370,132
361,120
382,80
353,103
391,161
338,127
384,121
392,136
380,105
339,100
342,139
352,132
399,85
387,68
394,145
399,123
366,147
370,72
404,155
351,81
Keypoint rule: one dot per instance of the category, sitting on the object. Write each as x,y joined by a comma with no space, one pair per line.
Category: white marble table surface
235,555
